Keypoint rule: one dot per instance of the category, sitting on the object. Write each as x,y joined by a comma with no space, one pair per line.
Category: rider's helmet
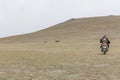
104,38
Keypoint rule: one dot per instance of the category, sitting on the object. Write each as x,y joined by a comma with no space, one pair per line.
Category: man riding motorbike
104,38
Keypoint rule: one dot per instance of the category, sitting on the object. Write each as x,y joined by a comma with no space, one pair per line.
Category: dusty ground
65,60
36,56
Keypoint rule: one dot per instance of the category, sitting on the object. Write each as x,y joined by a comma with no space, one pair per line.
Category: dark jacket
108,41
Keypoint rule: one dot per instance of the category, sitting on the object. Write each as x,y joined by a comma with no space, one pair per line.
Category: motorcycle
104,48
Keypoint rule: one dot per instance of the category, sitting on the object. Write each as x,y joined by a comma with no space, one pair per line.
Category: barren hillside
76,55
83,28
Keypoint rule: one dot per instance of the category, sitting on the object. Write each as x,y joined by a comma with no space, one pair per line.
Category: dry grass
65,60
76,57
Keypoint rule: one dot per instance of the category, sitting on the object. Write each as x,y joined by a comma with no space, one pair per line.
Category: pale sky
24,16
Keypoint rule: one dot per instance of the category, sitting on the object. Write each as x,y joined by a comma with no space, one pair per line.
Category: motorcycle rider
104,38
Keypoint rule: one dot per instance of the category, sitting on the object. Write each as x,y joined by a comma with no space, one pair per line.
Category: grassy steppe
37,56
65,60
